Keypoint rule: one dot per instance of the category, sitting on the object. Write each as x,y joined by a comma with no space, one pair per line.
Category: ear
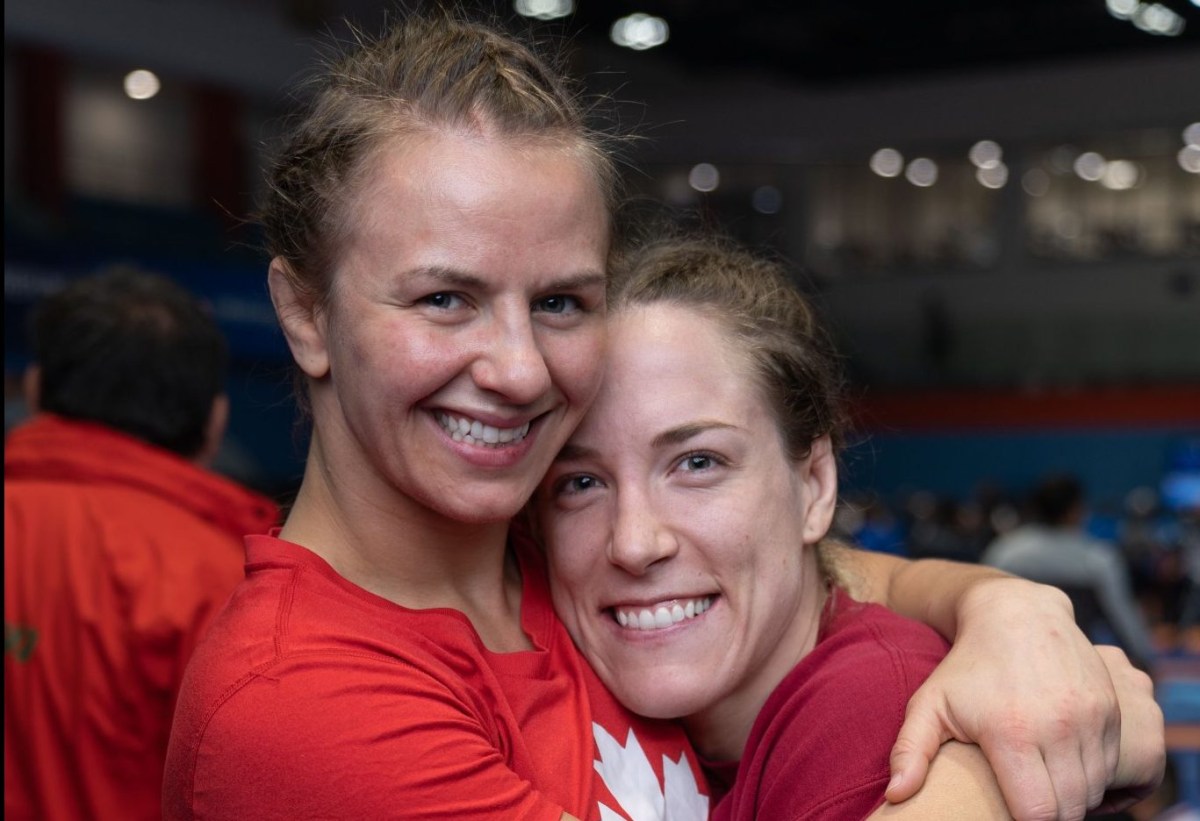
214,430
303,329
31,387
820,478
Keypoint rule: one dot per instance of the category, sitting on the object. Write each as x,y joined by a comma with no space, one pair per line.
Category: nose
639,538
511,362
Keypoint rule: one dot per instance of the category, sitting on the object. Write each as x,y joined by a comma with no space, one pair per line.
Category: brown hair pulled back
792,354
426,73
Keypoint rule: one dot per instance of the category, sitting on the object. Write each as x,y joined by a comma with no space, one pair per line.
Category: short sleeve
348,736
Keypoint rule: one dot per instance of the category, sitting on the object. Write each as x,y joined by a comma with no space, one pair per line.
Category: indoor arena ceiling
824,42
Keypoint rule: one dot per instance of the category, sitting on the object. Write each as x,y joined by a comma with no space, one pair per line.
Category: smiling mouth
662,615
474,432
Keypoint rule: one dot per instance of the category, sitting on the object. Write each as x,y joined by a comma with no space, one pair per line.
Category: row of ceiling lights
636,31
991,172
1152,18
642,31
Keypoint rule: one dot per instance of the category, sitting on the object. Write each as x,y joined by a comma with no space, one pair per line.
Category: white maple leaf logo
627,773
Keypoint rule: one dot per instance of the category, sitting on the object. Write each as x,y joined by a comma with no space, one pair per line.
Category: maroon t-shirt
819,749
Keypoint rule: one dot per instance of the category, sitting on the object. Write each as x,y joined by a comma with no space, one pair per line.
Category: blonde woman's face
464,334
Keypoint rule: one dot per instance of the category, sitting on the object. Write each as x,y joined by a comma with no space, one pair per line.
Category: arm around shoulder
960,785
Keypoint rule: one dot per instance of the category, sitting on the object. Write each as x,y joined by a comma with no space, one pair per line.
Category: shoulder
960,784
279,703
822,740
868,648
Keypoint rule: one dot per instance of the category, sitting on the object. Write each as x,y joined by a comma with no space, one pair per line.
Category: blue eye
442,300
557,304
697,461
579,483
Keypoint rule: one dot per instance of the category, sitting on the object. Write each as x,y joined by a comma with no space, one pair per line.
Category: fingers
1059,779
1074,791
922,733
1142,744
1024,781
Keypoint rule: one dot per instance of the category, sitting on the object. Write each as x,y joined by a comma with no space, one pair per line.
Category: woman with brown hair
686,522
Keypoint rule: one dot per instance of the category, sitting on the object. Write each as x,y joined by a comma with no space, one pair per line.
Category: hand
1025,684
1143,758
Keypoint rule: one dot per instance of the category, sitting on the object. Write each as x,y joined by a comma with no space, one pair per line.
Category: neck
720,731
392,546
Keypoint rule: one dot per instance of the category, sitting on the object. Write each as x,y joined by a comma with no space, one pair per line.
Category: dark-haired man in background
1054,549
119,544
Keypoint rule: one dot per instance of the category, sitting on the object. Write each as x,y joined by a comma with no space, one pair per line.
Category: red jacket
117,554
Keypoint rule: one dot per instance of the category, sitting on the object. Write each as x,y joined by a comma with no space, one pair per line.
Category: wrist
993,599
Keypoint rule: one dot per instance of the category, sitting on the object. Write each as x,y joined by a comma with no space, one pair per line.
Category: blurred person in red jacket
120,545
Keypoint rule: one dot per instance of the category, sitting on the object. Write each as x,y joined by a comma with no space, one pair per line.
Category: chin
480,511
662,703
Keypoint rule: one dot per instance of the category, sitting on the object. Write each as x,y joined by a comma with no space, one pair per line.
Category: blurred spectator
1054,549
119,544
876,528
936,530
1155,541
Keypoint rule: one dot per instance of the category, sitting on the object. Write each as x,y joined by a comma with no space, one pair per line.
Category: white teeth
475,432
662,616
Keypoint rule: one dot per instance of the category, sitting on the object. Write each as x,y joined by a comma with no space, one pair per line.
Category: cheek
577,362
576,547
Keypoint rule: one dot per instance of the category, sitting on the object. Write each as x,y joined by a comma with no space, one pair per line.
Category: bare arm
929,590
1022,681
960,785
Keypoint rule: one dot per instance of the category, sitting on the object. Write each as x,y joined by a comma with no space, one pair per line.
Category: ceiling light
992,176
922,172
704,177
544,9
1189,159
1155,18
985,154
1191,134
1090,166
887,162
141,84
1119,175
1122,9
640,31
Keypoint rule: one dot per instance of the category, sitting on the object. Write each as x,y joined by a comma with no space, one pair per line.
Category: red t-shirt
312,697
819,748
117,554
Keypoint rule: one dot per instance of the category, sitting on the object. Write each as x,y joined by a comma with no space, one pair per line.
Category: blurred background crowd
997,203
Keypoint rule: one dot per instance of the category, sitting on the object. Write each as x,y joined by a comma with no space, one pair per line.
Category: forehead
467,169
667,358
467,199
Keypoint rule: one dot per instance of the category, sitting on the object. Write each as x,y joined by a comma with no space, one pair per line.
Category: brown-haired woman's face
463,337
676,522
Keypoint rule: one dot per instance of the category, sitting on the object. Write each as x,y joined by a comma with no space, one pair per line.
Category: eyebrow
461,279
675,436
681,434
